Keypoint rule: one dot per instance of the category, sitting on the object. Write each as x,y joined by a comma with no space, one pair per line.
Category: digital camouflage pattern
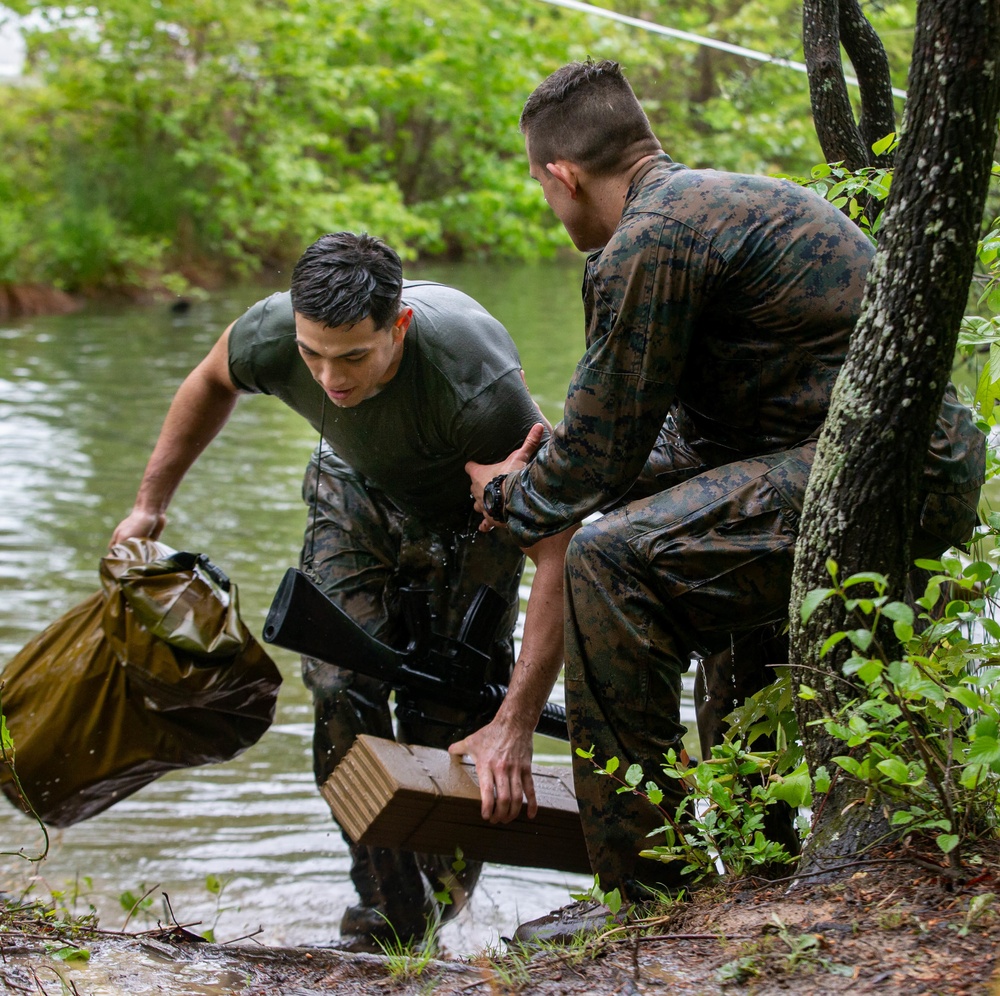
649,584
733,296
362,549
718,317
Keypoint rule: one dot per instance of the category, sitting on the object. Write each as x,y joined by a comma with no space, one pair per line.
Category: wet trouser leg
725,680
363,549
646,586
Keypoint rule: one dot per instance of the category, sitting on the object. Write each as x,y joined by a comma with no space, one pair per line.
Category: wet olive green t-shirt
457,396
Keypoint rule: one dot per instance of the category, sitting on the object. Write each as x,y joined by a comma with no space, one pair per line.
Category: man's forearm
541,657
200,408
197,413
502,749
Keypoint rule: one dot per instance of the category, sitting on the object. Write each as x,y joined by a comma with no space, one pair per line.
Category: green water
82,398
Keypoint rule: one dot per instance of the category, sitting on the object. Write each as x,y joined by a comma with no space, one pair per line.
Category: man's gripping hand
139,524
480,474
501,751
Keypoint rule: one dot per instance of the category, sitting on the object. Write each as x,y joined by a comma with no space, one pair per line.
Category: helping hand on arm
481,474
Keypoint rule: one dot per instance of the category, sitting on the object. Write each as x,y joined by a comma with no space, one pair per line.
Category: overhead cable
661,29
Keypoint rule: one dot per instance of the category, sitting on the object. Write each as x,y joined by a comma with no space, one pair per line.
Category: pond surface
82,398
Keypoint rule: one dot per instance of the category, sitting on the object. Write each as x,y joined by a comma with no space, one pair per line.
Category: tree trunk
862,500
826,24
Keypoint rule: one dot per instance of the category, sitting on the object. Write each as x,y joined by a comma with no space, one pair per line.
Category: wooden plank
413,798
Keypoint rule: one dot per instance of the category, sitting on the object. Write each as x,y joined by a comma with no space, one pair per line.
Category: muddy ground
892,925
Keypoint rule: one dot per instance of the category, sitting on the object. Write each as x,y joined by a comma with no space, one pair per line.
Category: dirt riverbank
890,925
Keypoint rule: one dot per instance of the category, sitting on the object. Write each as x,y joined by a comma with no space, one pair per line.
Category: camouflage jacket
730,298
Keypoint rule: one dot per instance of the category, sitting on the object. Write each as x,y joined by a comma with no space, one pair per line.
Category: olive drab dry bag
154,672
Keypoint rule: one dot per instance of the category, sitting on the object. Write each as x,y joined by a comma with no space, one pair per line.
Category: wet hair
587,114
343,278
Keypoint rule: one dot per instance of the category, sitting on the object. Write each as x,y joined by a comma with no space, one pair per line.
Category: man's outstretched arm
201,407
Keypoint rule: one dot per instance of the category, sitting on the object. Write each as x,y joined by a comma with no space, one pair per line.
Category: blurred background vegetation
171,144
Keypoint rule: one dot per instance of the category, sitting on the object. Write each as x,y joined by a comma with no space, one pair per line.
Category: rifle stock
304,619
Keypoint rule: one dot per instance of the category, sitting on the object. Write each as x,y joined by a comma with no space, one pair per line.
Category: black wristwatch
493,498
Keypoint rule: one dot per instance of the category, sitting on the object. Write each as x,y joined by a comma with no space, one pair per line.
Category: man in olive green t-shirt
405,382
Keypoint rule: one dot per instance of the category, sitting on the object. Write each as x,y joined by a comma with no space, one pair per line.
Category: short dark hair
587,113
343,278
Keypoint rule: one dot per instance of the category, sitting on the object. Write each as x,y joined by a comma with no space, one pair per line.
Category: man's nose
331,379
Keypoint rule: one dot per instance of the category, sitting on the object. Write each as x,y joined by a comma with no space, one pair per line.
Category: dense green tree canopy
205,139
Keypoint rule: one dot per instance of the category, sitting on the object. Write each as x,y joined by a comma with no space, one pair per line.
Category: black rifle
302,618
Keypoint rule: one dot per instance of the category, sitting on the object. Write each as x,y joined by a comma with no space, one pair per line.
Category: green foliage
721,817
215,886
71,954
408,960
197,140
134,903
980,333
731,791
443,894
612,899
860,194
225,136
981,908
7,759
923,735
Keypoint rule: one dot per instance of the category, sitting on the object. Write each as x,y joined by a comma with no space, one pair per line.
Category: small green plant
720,818
216,887
133,904
980,907
407,960
7,756
65,902
510,970
70,953
923,734
451,880
612,899
782,952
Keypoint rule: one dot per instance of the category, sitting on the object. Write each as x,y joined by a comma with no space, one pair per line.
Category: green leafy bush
925,733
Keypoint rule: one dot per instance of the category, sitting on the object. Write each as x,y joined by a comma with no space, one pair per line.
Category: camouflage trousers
701,568
688,570
363,550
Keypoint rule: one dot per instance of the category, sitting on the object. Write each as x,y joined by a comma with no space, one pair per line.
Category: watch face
493,497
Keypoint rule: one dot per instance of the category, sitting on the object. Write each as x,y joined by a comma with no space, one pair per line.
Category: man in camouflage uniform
405,381
722,303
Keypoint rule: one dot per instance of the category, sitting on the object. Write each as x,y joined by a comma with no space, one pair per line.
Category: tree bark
826,24
862,500
871,67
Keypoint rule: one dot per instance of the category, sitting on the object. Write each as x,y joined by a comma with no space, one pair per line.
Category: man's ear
402,323
567,174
